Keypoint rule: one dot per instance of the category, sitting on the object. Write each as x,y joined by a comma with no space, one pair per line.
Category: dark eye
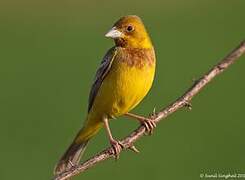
130,28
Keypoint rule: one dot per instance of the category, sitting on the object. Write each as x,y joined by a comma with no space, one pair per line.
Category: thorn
134,149
188,104
195,80
153,114
154,111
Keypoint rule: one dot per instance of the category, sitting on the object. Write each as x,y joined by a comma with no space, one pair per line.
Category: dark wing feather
100,75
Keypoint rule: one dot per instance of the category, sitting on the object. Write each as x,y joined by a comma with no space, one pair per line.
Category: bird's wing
101,74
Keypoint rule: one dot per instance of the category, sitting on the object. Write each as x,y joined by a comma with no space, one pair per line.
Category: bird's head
129,31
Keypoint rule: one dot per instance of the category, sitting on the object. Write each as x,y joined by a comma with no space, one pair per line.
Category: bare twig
184,100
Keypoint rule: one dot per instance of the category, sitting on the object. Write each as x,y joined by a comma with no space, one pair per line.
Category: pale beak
114,33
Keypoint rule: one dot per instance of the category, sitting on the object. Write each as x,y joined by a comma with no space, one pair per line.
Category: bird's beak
114,33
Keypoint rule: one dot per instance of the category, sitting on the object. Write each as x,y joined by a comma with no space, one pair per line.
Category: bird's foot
149,125
117,147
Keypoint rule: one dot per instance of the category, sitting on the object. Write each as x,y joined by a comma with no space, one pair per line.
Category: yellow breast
125,86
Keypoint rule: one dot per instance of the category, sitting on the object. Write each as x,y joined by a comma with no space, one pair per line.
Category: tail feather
71,157
75,151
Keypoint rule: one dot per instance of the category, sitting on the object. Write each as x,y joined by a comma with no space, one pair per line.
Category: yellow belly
122,89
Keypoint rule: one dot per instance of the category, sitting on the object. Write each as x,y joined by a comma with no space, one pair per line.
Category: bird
123,79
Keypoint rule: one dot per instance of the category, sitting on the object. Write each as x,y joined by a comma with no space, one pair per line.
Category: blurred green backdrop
49,52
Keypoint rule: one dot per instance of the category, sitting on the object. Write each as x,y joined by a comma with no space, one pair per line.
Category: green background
49,52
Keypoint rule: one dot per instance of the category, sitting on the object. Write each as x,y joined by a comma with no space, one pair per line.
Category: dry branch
184,100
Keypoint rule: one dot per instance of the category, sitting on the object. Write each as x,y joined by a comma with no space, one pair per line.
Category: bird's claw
149,126
117,148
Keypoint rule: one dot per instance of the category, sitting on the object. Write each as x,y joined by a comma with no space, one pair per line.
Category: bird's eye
130,28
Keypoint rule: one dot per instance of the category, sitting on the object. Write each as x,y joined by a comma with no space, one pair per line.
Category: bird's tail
75,151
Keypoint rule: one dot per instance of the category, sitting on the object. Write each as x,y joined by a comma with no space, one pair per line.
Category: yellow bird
123,79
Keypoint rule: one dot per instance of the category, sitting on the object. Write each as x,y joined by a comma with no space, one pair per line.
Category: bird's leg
116,145
148,123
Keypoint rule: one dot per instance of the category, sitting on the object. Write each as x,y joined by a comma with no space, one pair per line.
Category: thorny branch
183,101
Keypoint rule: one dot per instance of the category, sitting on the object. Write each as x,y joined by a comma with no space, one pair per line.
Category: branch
183,101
